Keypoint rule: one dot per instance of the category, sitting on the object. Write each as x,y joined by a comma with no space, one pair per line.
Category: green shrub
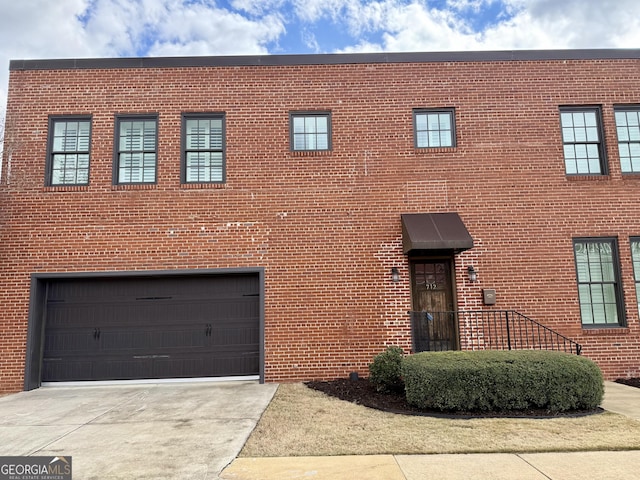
384,372
502,380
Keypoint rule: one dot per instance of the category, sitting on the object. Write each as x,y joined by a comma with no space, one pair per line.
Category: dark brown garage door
152,327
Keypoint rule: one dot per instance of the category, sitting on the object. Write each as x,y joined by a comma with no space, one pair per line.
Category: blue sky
117,28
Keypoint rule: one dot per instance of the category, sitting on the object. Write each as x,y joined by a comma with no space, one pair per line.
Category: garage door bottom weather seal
143,381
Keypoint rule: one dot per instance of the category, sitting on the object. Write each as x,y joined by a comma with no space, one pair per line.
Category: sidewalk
526,466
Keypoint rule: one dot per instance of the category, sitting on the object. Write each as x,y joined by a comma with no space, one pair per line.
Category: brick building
278,217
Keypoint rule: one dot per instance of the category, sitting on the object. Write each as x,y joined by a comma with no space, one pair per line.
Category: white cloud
257,7
42,28
313,10
525,24
474,5
415,28
177,27
363,46
358,15
586,23
310,41
202,31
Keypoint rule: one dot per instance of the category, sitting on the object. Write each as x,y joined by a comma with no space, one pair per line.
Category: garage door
152,327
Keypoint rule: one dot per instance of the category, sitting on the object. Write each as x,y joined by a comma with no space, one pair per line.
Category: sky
38,29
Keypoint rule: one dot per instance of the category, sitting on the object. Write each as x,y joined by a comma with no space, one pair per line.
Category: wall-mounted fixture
473,275
489,296
395,275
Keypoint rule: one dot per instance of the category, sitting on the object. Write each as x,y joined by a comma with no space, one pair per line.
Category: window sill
311,153
598,331
588,178
436,150
198,186
137,186
66,188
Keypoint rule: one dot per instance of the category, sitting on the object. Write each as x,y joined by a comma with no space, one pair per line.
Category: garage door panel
65,368
63,341
152,327
121,289
235,336
162,312
119,368
66,316
143,340
102,367
222,364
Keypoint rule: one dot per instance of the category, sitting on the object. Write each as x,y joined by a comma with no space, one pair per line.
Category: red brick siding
326,227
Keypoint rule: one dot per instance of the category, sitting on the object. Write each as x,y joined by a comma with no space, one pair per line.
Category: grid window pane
434,129
568,135
623,133
310,125
69,153
582,143
298,124
322,140
628,130
592,134
310,132
597,274
137,151
590,119
445,138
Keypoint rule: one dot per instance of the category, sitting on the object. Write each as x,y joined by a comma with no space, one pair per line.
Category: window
582,140
434,128
628,128
68,157
635,256
136,149
203,152
598,281
311,131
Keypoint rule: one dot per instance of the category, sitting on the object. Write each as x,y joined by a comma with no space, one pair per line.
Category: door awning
434,231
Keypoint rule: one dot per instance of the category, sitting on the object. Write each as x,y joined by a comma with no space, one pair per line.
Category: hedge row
501,380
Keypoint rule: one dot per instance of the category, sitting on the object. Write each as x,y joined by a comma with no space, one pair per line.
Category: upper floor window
203,152
136,149
628,129
582,139
598,275
434,128
635,256
69,145
311,131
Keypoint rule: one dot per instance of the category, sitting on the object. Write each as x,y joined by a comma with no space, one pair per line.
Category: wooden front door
434,318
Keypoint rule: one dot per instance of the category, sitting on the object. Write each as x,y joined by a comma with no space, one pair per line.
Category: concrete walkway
538,466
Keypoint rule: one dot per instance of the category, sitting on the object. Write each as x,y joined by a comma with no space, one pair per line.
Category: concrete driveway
141,431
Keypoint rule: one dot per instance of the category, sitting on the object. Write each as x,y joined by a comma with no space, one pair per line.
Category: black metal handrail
485,330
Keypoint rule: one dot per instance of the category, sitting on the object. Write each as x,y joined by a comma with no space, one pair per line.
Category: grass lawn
300,421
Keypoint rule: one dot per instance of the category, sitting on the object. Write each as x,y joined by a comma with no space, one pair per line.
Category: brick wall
326,227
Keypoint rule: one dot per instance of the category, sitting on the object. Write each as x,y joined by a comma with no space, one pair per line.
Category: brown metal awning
434,231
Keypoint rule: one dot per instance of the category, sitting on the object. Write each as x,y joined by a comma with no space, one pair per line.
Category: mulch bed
362,392
632,382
